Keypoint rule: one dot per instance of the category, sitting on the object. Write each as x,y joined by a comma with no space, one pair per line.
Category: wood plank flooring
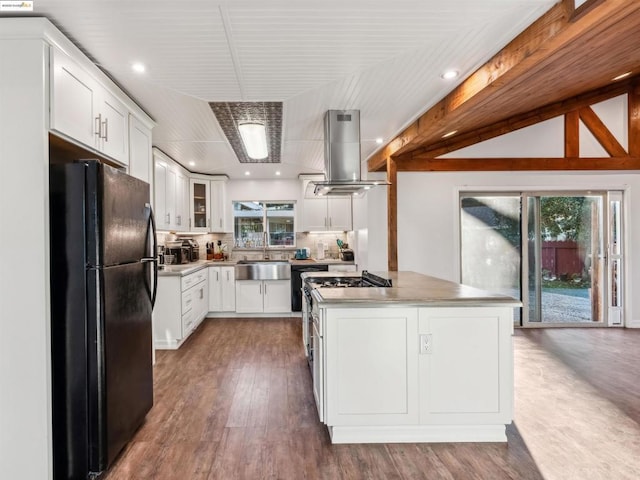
235,402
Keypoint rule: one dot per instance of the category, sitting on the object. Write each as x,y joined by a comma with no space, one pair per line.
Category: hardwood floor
235,402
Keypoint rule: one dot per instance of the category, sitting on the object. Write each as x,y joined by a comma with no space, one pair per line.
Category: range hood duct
342,156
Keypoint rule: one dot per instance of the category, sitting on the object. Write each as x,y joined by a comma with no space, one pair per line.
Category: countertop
410,289
189,268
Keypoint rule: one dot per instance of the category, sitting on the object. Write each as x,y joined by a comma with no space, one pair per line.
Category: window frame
264,204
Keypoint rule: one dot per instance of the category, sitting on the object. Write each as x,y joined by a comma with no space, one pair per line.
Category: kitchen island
426,360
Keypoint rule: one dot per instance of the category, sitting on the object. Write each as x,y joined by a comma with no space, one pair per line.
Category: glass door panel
565,261
490,242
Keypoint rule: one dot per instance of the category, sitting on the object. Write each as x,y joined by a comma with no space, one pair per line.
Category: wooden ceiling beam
601,132
524,120
559,35
419,164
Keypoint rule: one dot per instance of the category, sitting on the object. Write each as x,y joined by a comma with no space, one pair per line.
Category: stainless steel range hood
342,156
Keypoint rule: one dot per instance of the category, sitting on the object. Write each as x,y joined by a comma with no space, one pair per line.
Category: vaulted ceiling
382,57
545,70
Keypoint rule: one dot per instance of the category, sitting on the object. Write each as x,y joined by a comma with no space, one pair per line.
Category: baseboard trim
419,434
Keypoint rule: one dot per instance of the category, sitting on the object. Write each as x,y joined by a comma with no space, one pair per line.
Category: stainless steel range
309,310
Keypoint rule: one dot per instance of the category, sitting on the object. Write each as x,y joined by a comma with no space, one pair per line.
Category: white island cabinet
423,361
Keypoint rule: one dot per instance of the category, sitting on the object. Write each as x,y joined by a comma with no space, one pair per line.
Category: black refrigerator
103,284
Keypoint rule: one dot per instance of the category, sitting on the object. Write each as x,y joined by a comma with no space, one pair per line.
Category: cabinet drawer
187,300
197,277
188,323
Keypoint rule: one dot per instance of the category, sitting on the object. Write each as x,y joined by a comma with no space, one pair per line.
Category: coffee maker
193,249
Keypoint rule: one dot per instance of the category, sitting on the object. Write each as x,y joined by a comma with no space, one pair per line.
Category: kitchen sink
263,270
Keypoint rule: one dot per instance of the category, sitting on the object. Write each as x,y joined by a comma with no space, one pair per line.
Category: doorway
560,253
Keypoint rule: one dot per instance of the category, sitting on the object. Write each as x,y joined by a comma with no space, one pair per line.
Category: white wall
25,380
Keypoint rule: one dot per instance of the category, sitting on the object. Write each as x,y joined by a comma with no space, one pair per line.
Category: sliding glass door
561,253
565,269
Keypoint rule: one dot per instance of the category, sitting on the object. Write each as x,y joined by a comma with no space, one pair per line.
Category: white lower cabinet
222,289
416,374
182,303
466,377
371,359
263,296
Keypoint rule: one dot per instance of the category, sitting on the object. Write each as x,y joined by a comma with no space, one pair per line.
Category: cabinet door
182,202
114,128
249,296
339,214
201,295
215,289
228,276
72,100
277,296
218,220
170,194
314,214
160,188
371,366
465,366
140,159
199,205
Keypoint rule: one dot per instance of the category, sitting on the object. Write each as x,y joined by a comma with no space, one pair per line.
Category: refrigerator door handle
152,258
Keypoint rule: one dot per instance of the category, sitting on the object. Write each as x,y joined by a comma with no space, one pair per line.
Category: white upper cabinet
140,161
218,198
83,110
325,213
200,196
207,203
171,185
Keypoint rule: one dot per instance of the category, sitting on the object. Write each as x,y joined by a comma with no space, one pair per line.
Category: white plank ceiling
381,57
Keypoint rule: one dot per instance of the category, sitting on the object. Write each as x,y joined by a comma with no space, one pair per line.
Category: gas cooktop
366,280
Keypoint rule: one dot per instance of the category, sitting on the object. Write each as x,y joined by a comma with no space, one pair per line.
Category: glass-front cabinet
200,193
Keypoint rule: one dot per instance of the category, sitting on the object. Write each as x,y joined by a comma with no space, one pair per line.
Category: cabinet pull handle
220,223
106,130
265,288
98,126
201,293
227,275
261,289
208,222
168,217
217,278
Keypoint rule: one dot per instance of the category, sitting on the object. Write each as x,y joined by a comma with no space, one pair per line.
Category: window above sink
258,222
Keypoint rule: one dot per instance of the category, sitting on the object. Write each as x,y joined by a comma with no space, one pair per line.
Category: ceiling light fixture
620,77
247,173
450,75
254,139
450,134
192,163
278,172
379,141
138,67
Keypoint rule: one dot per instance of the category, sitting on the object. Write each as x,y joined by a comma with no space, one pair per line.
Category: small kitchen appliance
193,252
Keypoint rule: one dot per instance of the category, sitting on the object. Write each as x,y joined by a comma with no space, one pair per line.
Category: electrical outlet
426,344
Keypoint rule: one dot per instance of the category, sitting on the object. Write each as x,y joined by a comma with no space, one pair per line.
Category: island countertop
409,289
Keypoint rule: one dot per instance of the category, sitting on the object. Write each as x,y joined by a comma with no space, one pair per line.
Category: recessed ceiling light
138,67
278,172
379,141
247,173
192,163
450,134
620,77
450,74
367,187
